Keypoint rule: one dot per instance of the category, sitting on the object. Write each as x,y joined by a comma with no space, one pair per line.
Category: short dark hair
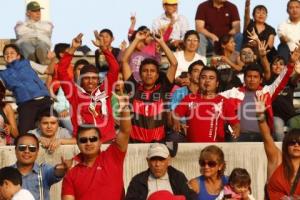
108,31
278,58
190,32
13,46
48,113
60,48
147,61
80,62
253,67
197,62
141,28
26,135
259,7
288,4
239,176
10,174
213,69
87,127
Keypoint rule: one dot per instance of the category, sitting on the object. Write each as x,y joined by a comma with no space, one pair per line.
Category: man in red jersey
206,112
99,175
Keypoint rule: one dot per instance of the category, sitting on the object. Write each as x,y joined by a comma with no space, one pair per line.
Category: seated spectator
159,176
149,96
99,175
37,178
11,185
228,63
165,195
192,88
259,28
188,55
8,124
91,103
289,31
238,187
49,133
171,18
119,90
100,60
214,19
34,35
284,111
283,170
212,179
31,93
207,110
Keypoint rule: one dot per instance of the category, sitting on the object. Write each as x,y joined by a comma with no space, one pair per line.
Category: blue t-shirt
203,194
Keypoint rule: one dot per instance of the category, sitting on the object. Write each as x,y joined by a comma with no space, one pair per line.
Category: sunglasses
23,147
210,163
293,143
84,140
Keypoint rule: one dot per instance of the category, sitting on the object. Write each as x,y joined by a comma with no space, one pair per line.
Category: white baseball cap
158,150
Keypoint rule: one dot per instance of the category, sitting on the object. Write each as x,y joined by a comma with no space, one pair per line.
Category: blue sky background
73,16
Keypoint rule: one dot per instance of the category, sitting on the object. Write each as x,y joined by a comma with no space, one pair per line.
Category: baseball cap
165,195
170,1
33,5
158,150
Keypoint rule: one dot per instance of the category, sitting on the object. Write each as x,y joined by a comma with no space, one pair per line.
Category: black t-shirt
283,104
100,61
263,36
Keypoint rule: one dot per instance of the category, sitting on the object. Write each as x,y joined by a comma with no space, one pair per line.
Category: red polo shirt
217,20
104,180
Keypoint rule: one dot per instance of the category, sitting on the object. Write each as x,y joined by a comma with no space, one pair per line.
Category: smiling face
191,43
277,66
26,157
89,142
10,55
89,81
211,166
260,15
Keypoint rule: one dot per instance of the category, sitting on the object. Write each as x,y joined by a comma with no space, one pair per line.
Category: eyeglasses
293,143
84,140
210,163
23,147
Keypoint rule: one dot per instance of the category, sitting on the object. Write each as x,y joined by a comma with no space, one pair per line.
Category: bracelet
261,117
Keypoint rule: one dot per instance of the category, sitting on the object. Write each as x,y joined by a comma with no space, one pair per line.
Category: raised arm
262,50
125,123
247,14
172,59
272,151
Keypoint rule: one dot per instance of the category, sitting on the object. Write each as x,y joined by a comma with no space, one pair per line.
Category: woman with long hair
283,172
212,167
8,124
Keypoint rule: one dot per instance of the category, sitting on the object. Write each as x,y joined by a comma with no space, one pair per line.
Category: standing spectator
283,172
215,18
49,133
149,97
91,104
244,97
8,124
258,27
212,180
171,18
37,178
206,109
31,93
289,31
284,111
188,55
99,175
11,185
34,35
159,176
100,60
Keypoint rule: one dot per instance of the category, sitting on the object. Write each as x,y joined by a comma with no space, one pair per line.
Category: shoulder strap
295,183
41,185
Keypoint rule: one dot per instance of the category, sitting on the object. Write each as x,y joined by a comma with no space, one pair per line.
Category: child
11,185
238,187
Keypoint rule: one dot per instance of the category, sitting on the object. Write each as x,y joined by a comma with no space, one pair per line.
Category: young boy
11,185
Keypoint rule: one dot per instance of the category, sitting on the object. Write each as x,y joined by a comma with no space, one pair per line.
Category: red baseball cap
165,195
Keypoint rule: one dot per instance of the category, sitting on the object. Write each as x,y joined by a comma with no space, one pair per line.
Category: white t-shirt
23,194
291,31
183,64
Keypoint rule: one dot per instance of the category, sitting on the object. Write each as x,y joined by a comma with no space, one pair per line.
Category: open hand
77,41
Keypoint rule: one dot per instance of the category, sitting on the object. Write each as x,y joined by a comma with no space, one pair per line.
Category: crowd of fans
171,83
